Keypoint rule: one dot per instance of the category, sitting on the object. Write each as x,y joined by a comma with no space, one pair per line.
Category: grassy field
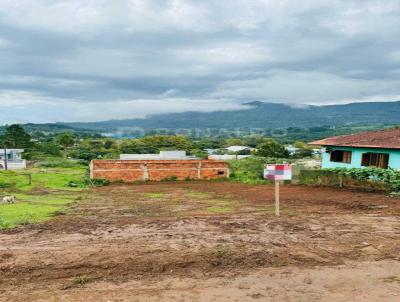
40,193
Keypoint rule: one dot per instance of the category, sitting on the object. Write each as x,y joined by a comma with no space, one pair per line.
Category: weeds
4,224
220,210
155,195
79,281
98,182
218,251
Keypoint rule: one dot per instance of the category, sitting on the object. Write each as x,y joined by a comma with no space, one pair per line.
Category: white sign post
278,173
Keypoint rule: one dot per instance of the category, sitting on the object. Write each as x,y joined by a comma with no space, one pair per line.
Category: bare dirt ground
208,241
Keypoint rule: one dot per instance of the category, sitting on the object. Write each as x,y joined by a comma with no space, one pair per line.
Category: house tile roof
386,139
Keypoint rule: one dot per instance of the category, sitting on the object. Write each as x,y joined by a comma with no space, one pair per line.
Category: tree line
73,145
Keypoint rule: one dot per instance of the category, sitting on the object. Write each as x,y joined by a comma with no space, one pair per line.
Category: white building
14,159
291,149
227,156
162,155
239,148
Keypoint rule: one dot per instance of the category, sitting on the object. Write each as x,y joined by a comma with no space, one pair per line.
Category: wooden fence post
277,182
29,179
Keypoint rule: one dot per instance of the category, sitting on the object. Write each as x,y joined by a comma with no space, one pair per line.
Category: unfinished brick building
156,170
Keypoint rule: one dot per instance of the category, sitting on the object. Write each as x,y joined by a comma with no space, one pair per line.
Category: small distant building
317,151
14,159
368,149
291,149
211,151
163,166
239,148
227,156
161,155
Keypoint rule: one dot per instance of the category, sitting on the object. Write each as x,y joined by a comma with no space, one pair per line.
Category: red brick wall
136,170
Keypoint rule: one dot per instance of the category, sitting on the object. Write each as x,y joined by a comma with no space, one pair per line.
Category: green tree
16,137
167,142
156,143
108,144
66,139
253,140
271,148
233,142
300,145
49,148
134,146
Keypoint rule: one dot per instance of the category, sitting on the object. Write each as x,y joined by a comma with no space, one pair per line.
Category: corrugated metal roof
387,139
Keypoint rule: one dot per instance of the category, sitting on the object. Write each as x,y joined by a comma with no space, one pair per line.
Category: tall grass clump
250,170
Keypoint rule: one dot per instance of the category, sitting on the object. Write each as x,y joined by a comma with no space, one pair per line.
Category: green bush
4,224
170,178
388,176
58,164
250,170
98,182
4,185
271,148
313,177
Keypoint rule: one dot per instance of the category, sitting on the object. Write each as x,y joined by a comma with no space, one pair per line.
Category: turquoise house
368,149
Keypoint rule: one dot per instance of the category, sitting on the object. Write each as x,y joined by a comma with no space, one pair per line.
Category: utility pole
5,158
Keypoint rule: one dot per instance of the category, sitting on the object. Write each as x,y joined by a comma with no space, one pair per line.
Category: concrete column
145,171
91,169
199,170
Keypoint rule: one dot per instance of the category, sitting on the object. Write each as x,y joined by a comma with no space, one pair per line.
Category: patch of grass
52,184
60,163
52,178
218,251
154,195
248,170
79,281
24,213
4,224
170,178
48,199
219,210
198,195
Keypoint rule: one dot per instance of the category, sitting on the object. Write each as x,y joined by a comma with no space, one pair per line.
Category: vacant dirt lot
208,241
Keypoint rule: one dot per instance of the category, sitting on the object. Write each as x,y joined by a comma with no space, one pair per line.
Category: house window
380,160
340,156
221,173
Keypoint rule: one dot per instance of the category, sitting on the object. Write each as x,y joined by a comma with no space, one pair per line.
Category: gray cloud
71,60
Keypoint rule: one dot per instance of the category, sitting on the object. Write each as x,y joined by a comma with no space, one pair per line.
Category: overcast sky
89,60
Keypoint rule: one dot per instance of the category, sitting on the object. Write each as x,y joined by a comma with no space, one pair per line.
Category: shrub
98,182
390,177
170,178
4,185
73,184
271,148
250,170
4,224
58,164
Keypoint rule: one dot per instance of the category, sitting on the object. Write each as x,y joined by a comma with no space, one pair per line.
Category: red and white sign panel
278,172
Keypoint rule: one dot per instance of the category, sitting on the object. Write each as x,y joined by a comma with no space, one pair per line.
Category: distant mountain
264,115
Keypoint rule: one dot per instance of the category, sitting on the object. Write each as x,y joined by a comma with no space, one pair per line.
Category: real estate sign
278,171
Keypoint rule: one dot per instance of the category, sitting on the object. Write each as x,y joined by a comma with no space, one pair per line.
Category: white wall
227,157
14,165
